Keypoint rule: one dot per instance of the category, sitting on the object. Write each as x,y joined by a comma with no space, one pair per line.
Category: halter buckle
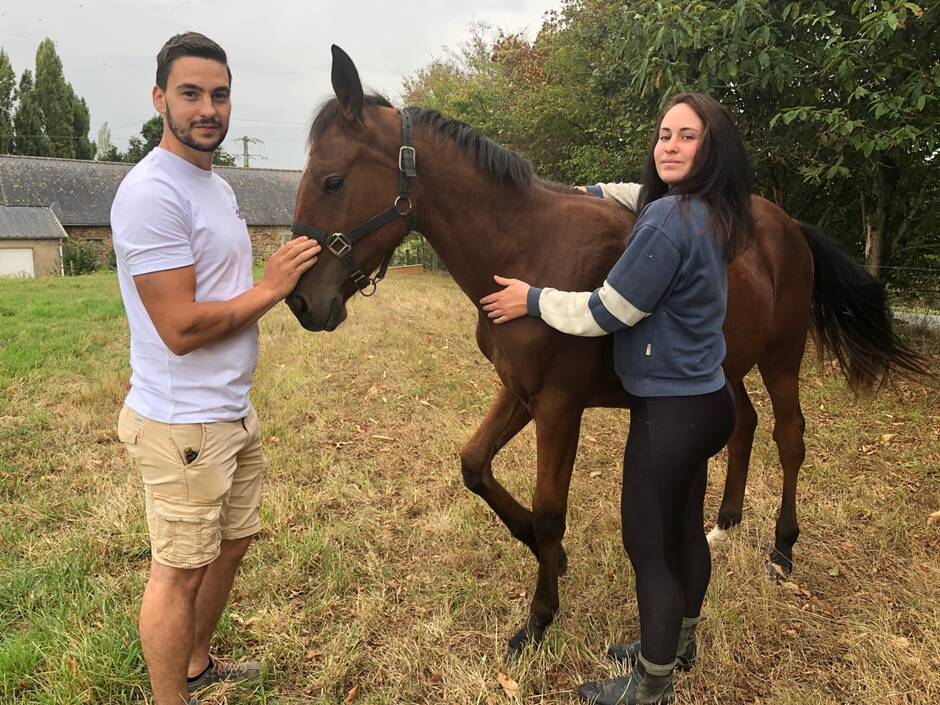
370,288
407,160
408,208
343,247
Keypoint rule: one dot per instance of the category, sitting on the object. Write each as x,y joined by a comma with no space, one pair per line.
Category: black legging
665,468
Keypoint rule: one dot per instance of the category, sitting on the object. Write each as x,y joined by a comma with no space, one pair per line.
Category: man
185,271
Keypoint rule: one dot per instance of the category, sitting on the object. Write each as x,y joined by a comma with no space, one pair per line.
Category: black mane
496,160
331,111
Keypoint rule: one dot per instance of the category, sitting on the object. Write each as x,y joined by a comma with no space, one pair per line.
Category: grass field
378,578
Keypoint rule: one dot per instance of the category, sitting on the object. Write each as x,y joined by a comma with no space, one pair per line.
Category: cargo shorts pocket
184,536
130,426
188,439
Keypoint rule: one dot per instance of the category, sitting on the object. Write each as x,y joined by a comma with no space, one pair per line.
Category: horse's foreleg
558,424
739,459
506,417
783,383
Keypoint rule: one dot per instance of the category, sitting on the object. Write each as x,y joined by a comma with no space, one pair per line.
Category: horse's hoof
781,562
776,572
516,645
530,633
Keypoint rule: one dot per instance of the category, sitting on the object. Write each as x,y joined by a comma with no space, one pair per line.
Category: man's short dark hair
188,44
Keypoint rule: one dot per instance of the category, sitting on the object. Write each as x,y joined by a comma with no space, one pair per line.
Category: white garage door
17,263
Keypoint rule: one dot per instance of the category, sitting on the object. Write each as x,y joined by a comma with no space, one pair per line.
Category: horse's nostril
297,305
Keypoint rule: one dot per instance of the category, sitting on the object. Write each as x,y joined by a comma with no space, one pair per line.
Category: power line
245,155
130,124
52,137
234,119
267,122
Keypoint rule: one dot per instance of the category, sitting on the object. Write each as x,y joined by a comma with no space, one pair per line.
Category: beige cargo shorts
202,483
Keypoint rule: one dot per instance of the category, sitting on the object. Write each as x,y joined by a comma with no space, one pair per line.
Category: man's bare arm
185,325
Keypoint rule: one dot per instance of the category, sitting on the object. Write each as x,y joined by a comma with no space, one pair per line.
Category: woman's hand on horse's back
509,303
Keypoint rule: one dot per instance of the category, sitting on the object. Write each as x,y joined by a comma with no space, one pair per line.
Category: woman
665,302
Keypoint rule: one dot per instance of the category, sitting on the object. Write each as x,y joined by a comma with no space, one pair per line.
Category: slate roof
80,192
29,223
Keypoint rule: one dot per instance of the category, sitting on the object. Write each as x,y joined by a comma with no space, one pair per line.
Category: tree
81,124
150,135
222,158
105,150
29,136
838,97
55,99
578,130
467,85
541,98
7,94
837,101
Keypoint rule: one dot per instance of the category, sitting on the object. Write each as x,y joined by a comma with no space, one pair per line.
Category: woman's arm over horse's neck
480,226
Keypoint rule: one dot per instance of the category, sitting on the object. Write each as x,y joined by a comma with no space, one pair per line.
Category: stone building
78,194
30,242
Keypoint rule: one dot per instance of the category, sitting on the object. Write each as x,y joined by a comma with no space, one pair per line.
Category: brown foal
485,212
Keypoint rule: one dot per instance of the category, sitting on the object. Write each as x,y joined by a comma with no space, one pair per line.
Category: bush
414,249
79,258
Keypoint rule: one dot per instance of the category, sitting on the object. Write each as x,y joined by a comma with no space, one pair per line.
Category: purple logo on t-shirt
239,213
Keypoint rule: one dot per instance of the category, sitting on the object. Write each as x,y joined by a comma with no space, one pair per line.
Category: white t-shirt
167,214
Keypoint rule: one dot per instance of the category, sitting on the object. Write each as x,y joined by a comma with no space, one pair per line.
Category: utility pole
245,140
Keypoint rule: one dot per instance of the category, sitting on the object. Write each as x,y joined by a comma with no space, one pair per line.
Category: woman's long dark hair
720,174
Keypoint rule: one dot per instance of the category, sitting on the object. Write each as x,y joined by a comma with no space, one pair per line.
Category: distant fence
913,287
415,250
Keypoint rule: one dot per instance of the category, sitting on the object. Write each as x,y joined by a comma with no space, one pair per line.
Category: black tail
852,319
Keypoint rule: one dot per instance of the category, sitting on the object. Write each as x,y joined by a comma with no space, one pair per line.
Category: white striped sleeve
569,312
626,194
619,307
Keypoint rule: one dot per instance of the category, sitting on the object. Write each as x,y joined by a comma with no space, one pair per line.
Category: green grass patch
376,570
55,324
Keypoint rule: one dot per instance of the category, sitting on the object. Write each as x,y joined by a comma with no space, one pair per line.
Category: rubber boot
647,684
627,654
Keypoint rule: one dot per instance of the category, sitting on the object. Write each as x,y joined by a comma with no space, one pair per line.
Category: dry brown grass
378,578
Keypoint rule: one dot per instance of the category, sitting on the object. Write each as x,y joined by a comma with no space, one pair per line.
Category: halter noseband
341,244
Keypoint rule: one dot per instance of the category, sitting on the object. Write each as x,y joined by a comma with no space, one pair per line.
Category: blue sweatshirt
664,300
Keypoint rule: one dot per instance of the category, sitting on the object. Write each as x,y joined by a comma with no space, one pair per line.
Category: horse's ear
346,84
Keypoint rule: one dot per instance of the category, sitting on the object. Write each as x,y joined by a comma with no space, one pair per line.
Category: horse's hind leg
506,417
739,458
558,425
783,383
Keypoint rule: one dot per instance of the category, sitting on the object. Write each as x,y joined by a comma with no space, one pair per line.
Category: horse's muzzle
327,320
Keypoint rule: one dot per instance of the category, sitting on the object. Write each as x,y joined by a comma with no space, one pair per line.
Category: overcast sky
279,52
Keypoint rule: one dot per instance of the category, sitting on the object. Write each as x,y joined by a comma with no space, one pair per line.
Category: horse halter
341,244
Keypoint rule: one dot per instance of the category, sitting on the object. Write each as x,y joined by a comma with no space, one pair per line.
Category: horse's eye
332,184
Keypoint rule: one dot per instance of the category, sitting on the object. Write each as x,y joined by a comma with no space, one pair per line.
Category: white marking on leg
716,536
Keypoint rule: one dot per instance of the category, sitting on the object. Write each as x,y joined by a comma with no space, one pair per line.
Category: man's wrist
271,296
